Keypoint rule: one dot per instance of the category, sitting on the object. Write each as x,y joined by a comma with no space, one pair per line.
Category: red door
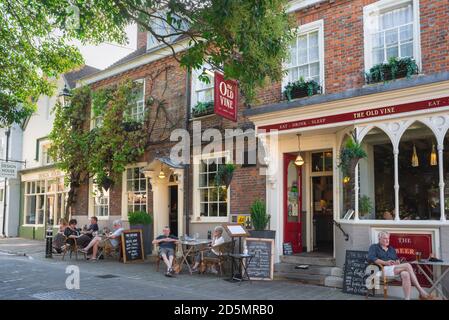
292,202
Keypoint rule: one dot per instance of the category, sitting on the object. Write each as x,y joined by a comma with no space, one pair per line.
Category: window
162,28
136,190
202,91
137,111
213,198
100,201
46,158
391,30
322,161
45,201
307,55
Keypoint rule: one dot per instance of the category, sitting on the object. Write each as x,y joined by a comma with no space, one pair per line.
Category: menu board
354,278
261,266
132,246
288,249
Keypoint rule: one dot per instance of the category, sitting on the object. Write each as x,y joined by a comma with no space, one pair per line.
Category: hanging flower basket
225,174
106,183
350,155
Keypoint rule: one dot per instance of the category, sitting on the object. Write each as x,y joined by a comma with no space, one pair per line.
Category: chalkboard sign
288,249
354,278
132,246
261,266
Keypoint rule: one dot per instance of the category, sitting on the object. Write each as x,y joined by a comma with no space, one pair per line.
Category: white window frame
139,116
317,25
296,5
92,206
157,44
125,188
196,82
370,14
35,194
197,218
44,154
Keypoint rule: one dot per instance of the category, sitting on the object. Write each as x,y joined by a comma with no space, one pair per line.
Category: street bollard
49,242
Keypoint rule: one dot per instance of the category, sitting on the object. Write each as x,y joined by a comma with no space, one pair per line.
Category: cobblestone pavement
26,274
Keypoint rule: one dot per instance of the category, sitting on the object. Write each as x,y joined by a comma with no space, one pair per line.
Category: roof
136,53
72,76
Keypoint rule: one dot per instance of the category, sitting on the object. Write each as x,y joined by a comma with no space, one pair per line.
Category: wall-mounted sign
8,170
359,115
225,97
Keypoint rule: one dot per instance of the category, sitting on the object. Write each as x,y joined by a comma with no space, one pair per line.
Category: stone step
316,279
334,282
319,270
315,261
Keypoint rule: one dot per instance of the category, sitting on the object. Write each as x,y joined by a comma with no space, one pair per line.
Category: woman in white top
216,241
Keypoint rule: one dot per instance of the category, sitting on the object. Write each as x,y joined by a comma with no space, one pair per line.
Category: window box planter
301,89
130,126
203,109
396,68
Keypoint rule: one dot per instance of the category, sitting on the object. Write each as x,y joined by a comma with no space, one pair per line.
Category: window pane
203,180
391,37
204,209
392,52
293,61
317,162
406,33
302,49
223,207
293,75
315,69
213,209
303,72
378,40
378,56
204,195
407,50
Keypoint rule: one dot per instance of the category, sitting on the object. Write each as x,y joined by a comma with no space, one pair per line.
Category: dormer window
162,28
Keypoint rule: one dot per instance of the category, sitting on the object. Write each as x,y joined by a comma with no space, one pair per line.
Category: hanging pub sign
225,97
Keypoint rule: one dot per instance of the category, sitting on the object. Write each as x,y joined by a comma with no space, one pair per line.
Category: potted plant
365,205
301,88
395,68
203,109
260,220
105,182
142,220
225,174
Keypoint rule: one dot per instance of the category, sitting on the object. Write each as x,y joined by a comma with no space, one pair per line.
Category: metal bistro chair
176,260
71,248
224,249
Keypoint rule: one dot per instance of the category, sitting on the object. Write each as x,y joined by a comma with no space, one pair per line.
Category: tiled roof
72,76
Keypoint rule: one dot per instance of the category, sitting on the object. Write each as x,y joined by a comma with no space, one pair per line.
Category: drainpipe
187,165
5,190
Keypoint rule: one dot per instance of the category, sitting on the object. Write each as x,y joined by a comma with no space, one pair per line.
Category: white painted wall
39,126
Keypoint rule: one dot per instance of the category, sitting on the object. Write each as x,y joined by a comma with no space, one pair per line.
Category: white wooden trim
300,4
124,186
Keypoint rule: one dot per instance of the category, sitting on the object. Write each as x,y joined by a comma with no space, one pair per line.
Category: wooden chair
108,250
176,263
224,249
385,281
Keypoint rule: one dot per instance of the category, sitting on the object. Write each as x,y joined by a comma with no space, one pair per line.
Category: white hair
117,222
219,229
382,233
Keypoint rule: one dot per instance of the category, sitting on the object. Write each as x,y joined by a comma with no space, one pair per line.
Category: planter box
203,113
266,234
147,232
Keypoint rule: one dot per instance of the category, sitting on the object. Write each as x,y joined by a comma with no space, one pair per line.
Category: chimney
141,37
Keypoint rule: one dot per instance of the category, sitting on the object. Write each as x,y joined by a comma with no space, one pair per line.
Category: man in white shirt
212,252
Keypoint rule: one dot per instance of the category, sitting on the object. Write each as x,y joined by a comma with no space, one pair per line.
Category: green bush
301,88
259,216
395,68
365,205
203,108
139,217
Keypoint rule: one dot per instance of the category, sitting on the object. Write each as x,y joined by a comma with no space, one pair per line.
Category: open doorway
173,210
322,202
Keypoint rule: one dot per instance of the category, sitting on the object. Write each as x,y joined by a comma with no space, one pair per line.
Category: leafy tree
247,39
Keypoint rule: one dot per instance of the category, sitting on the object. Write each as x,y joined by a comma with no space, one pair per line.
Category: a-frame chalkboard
354,278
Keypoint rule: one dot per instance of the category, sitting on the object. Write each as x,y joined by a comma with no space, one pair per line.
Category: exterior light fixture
415,160
433,156
65,96
161,174
346,180
299,161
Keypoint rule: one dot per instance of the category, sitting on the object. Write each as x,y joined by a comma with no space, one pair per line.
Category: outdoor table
240,262
424,265
189,248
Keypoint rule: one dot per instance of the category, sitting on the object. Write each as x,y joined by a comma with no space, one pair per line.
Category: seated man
216,241
167,245
385,255
113,240
92,228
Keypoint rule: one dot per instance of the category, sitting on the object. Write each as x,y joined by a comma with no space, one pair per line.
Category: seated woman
58,241
71,232
211,252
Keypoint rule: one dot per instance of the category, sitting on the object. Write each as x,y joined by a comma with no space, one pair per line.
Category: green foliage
248,39
351,153
203,108
259,216
395,68
301,88
224,174
365,204
139,217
